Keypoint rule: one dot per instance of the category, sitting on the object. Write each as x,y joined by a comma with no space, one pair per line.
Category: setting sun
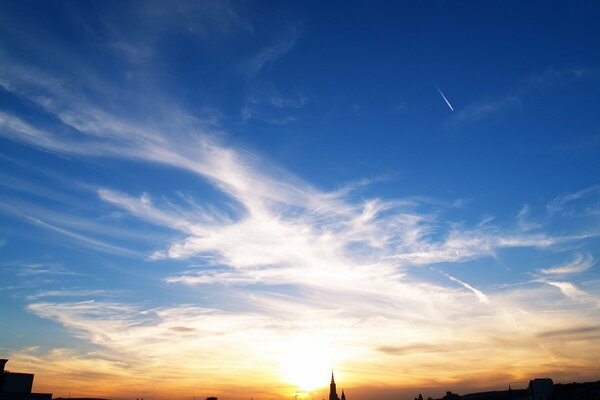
305,364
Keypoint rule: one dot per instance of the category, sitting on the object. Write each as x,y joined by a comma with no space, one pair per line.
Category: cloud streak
480,295
582,262
564,203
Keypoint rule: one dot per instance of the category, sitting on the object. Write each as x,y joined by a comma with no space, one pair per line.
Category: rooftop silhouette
18,385
538,389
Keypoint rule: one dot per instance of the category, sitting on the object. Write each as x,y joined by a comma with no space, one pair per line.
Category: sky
236,198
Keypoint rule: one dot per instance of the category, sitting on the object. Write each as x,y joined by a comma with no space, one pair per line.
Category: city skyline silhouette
18,386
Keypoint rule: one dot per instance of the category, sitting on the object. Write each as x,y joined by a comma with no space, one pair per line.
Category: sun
306,364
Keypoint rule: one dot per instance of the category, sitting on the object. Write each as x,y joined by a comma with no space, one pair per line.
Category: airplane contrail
444,97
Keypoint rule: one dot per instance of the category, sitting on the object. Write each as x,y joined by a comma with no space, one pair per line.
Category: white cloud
15,128
310,245
285,228
349,329
580,263
568,289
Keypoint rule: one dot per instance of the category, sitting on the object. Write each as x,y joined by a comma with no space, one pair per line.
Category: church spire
332,389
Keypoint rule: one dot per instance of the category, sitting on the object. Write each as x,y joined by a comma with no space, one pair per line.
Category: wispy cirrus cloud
71,293
284,227
524,219
82,238
29,269
199,333
266,245
134,337
418,348
521,92
582,330
272,107
268,55
580,263
566,203
486,108
568,289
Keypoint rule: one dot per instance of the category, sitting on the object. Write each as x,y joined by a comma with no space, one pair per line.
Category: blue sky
263,178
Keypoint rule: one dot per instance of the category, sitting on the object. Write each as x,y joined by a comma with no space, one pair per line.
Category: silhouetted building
451,396
538,389
17,386
80,398
577,391
333,390
541,389
510,394
520,394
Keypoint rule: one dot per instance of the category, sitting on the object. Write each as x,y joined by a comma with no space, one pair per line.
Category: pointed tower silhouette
332,390
343,395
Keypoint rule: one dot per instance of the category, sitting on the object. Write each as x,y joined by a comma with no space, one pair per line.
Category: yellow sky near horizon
189,351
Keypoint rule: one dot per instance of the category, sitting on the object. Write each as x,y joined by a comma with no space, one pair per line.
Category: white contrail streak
480,295
444,97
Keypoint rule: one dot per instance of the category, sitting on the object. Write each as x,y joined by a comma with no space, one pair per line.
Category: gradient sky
234,198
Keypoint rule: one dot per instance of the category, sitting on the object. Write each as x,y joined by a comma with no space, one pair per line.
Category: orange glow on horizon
95,378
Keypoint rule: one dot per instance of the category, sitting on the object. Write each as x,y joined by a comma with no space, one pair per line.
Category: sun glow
306,364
